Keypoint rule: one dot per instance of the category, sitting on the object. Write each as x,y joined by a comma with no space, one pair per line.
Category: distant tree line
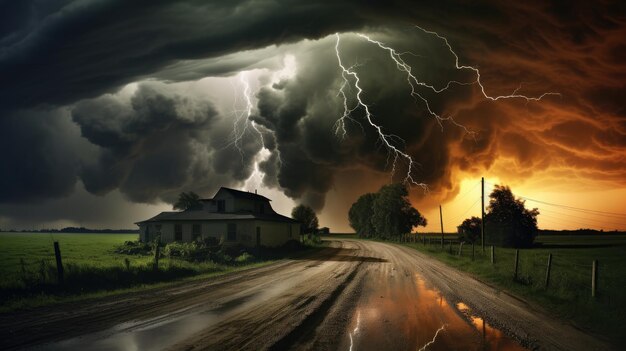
385,214
75,230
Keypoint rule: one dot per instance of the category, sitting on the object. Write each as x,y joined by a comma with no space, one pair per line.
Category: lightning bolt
386,139
513,95
434,338
415,84
242,118
356,329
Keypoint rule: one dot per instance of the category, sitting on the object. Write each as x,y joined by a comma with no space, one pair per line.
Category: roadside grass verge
569,292
93,267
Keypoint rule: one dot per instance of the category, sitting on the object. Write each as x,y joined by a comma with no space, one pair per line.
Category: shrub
244,258
210,241
134,248
182,250
221,257
312,240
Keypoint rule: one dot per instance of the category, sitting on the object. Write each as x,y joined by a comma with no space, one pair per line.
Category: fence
538,268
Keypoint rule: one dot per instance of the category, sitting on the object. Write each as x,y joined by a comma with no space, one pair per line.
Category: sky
110,109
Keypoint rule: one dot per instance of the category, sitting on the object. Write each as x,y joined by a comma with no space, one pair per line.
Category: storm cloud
132,97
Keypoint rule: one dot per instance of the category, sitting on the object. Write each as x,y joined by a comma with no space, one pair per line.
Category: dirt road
355,295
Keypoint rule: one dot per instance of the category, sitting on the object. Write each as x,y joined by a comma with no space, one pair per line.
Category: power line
581,225
467,192
612,214
605,218
604,221
568,207
466,211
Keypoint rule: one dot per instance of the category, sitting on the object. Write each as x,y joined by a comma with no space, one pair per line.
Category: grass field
569,292
92,268
88,249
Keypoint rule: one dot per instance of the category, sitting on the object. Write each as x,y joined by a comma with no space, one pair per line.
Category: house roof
201,215
240,195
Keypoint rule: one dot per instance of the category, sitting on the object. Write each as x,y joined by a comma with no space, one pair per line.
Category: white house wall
277,233
272,233
229,200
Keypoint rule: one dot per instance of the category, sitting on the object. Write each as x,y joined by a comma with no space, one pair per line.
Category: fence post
516,264
450,246
157,250
594,278
460,248
493,255
472,250
548,270
57,255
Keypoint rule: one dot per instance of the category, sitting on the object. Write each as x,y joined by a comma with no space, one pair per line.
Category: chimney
255,191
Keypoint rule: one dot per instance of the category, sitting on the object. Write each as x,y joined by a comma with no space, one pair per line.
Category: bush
134,248
210,241
191,250
221,257
234,250
244,258
312,240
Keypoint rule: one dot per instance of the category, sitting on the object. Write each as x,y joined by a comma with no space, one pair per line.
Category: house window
178,232
195,231
232,232
221,205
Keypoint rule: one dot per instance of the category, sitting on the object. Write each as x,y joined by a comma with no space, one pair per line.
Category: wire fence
565,274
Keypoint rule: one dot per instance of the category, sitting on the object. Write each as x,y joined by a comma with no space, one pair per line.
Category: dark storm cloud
58,52
158,143
62,57
303,112
86,48
39,157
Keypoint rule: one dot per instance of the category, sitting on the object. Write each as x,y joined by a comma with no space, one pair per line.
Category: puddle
401,316
491,335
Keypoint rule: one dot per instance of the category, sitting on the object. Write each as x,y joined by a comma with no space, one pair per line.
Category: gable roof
201,215
240,195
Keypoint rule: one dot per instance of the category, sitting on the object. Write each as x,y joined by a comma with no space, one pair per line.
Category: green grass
569,292
92,268
85,249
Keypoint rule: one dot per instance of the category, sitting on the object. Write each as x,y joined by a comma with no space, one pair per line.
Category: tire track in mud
277,323
64,321
303,303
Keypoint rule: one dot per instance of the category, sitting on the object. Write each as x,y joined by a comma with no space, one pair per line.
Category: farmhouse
231,216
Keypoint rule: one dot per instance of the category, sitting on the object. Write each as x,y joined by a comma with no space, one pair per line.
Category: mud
355,295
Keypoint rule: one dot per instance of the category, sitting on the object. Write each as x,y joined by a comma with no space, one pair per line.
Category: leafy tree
360,215
188,201
469,230
306,216
510,213
393,214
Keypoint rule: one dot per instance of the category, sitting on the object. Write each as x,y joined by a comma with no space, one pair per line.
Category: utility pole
482,211
441,221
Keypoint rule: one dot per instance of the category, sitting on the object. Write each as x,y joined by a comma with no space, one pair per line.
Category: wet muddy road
355,295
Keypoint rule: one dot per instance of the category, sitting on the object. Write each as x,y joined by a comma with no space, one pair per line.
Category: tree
360,215
469,230
509,213
393,214
306,216
188,201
